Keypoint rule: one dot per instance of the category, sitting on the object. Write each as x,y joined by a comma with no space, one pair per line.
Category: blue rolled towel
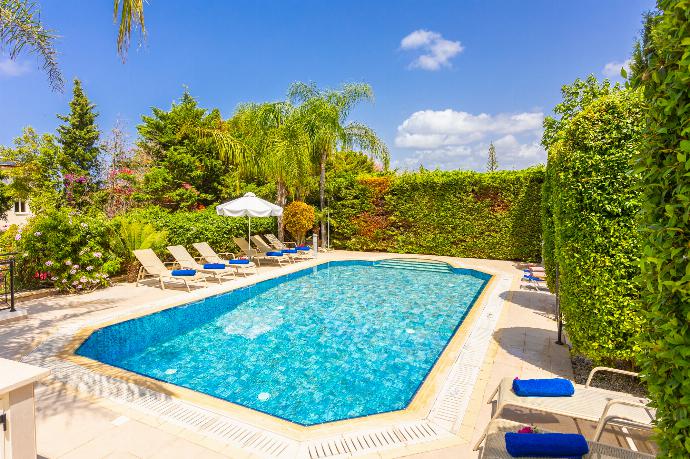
274,254
532,278
239,261
289,250
214,266
552,387
546,445
303,247
183,272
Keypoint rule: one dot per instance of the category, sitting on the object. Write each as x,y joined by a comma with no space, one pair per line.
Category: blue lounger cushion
289,250
214,266
183,272
552,387
546,445
239,261
274,254
303,247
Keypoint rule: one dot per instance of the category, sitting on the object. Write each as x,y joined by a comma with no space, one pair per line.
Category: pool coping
437,414
420,405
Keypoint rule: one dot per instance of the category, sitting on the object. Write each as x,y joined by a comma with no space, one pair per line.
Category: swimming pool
341,340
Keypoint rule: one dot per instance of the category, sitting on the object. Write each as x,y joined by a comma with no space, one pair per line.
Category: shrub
131,234
456,213
186,227
663,164
66,250
592,203
298,218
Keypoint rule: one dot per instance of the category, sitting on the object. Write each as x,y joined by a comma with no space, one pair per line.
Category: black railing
7,272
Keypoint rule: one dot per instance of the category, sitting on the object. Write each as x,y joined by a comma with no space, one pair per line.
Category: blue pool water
343,340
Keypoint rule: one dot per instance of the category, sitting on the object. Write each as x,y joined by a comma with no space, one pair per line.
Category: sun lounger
152,266
495,446
291,248
257,255
183,257
588,403
290,254
226,258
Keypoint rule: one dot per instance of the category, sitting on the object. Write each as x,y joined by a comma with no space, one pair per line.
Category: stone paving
71,424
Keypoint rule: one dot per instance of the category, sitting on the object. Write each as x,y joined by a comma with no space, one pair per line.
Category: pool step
415,265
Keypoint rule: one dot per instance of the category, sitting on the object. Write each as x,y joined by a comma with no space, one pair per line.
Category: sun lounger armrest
227,254
605,417
290,244
610,370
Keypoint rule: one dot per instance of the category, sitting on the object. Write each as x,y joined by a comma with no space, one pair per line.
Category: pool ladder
415,265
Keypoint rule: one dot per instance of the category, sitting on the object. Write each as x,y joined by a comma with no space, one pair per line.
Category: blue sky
449,76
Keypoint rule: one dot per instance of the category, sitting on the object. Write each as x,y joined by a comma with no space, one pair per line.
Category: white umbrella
249,206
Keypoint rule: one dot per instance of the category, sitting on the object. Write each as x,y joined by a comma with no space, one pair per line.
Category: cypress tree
492,163
78,137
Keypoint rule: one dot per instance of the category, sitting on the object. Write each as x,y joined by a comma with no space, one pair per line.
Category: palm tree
323,115
275,146
21,29
131,13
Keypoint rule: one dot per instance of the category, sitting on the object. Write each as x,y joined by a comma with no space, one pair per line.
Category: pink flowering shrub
66,250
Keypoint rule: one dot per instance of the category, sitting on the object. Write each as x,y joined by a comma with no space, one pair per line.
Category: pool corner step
415,265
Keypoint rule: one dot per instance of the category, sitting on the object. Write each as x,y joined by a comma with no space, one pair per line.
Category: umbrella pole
249,238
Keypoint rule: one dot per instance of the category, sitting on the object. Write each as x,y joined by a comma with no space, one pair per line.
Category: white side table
18,408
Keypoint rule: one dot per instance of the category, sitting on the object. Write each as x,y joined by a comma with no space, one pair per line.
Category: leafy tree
576,96
492,163
323,115
36,174
185,167
78,137
663,163
21,28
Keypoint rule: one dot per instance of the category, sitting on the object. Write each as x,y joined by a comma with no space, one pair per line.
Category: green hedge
186,227
591,203
457,213
663,164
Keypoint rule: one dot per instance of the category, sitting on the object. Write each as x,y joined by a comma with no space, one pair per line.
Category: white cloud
613,69
449,139
12,68
436,50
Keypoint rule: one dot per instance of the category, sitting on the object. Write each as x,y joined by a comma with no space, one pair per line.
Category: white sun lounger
588,403
257,254
187,261
152,266
495,446
210,256
265,248
279,245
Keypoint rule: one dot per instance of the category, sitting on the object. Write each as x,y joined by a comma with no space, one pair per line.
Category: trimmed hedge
457,213
590,217
186,227
663,163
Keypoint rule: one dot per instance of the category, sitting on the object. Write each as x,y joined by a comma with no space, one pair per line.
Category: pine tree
78,137
492,163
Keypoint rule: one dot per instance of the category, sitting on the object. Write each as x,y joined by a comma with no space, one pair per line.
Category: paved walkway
73,425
